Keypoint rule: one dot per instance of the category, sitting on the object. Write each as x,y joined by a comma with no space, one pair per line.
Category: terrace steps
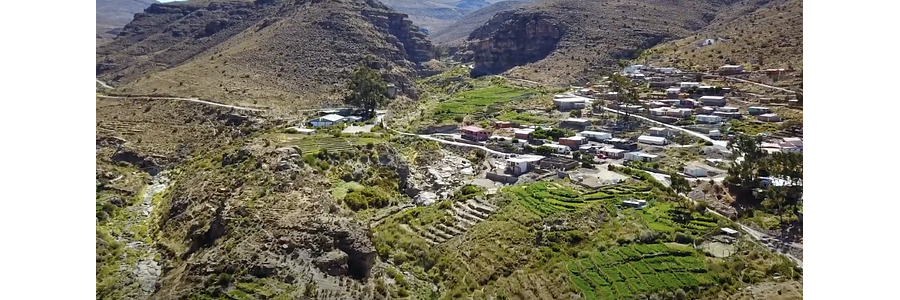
428,236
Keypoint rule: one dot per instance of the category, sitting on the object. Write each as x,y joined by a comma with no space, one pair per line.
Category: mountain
273,51
457,32
568,41
112,15
434,15
766,36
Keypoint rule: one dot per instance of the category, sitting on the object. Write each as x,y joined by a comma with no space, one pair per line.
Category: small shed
635,203
573,141
568,103
576,122
730,232
728,109
687,85
613,152
652,140
657,131
712,100
673,92
769,118
326,120
596,135
706,110
523,133
758,110
640,156
708,119
522,164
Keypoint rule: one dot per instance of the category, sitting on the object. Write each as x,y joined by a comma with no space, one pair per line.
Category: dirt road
196,100
759,84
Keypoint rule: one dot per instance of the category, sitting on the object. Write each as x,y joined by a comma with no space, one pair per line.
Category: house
687,103
731,69
668,70
679,112
659,111
502,124
708,119
706,110
352,119
611,96
573,142
640,156
729,115
714,134
522,164
712,100
769,118
635,203
673,92
585,92
474,133
658,131
612,152
596,135
326,120
523,133
728,109
306,131
730,232
558,163
687,85
695,171
622,144
656,104
652,140
575,122
758,110
568,103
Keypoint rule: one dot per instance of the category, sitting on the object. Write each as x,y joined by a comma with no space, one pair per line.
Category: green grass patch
525,118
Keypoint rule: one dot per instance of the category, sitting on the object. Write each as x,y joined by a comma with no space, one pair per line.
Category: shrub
683,238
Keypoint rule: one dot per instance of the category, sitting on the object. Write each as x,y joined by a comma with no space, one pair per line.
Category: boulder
333,263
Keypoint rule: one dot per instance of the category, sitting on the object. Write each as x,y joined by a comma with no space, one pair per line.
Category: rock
333,263
425,198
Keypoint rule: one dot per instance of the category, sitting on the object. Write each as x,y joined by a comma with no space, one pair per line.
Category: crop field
315,143
665,217
624,272
547,198
478,101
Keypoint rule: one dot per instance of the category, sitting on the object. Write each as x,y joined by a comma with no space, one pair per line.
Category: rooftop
642,154
651,138
472,129
577,120
577,138
332,117
523,130
525,158
712,97
768,115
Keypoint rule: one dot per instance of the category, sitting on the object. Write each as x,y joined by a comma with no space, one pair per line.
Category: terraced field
624,272
547,198
465,214
665,217
315,143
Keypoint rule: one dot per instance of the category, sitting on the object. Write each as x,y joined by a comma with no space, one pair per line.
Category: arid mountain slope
766,36
456,33
434,15
112,15
567,41
273,51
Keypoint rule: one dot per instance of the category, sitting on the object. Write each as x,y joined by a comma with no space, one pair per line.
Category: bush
682,238
366,198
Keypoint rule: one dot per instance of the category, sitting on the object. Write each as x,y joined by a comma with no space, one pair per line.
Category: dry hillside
112,15
275,52
569,41
456,33
768,37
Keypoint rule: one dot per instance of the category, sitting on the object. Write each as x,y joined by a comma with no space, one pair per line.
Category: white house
635,203
522,164
714,133
706,110
728,109
769,118
652,140
568,103
708,119
562,149
695,171
640,156
327,120
658,131
687,85
596,135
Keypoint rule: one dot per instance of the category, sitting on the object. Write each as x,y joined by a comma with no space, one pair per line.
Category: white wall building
596,135
709,119
327,120
640,156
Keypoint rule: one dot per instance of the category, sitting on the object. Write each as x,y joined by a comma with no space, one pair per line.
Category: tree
679,183
626,94
367,89
746,172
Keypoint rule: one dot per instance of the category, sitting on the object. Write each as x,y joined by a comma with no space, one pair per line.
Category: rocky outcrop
513,39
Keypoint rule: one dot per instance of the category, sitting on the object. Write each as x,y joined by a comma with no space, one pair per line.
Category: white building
652,140
640,156
568,103
522,164
709,119
695,171
769,118
561,149
612,152
635,203
326,120
728,109
687,85
596,135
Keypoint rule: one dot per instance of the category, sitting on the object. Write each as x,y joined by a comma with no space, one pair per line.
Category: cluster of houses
787,144
333,117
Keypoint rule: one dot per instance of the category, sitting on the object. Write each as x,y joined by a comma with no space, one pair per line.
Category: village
680,124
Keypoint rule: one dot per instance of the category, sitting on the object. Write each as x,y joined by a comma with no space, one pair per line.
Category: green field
525,118
477,101
623,272
666,217
547,198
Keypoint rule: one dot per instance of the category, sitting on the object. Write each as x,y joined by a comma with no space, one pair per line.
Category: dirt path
195,100
103,84
758,84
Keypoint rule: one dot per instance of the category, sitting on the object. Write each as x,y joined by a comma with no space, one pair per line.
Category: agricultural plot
624,272
482,100
546,198
665,217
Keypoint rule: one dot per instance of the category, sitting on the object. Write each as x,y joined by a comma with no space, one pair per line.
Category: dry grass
772,34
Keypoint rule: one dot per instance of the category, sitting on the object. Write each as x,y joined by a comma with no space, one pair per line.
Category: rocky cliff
567,41
274,51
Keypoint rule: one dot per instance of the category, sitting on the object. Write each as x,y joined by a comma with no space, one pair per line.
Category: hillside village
373,164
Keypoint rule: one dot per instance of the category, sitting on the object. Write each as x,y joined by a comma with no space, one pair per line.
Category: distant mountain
112,15
272,51
434,15
456,33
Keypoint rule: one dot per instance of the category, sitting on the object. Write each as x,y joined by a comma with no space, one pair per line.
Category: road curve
103,84
195,100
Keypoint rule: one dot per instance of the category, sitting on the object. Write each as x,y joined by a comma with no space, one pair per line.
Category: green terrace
477,102
623,272
547,198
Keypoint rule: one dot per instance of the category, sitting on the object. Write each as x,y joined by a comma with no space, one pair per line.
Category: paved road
196,100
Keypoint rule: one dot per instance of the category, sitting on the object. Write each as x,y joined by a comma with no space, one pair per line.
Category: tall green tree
748,149
626,93
367,89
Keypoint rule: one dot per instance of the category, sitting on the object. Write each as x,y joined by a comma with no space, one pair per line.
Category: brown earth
112,15
456,33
